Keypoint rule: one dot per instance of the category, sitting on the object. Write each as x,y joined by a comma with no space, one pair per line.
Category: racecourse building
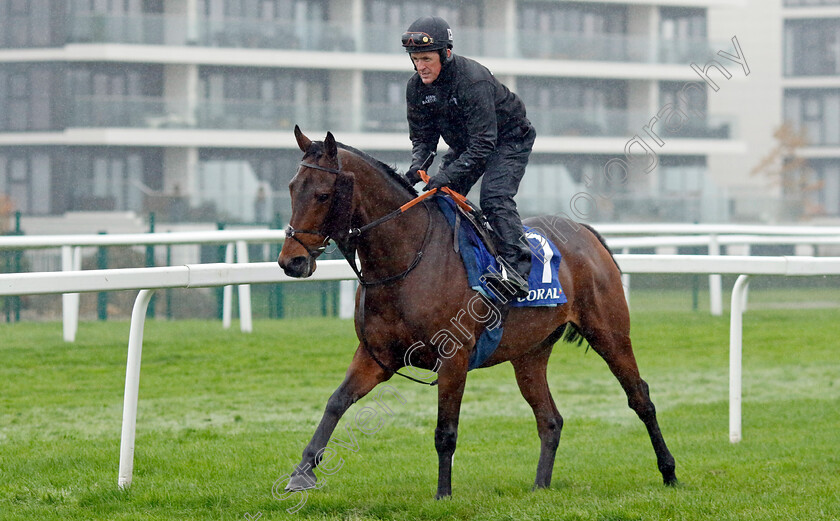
186,108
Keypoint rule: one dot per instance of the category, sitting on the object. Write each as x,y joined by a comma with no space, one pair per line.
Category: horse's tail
569,332
603,243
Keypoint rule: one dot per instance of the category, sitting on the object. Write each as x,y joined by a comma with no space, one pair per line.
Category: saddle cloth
544,287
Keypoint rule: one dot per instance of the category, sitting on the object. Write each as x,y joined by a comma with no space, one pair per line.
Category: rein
348,248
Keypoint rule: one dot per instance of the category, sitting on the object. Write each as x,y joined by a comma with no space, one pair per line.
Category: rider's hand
413,175
437,181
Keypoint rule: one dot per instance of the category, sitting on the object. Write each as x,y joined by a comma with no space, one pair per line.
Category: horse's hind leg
615,348
531,376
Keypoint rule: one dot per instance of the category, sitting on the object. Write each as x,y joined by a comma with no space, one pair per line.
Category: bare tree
7,209
786,168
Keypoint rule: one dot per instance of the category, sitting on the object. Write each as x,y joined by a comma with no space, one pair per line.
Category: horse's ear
330,146
303,142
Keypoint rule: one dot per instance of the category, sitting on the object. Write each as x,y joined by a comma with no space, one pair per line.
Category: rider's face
428,65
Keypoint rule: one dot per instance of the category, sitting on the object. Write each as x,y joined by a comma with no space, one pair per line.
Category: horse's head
322,201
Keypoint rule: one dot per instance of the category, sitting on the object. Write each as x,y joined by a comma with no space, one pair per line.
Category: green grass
223,415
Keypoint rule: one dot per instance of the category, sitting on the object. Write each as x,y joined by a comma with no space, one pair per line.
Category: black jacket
470,109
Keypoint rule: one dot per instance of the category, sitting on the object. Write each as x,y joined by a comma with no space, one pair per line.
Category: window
825,192
26,23
387,19
816,112
280,24
26,178
682,176
572,31
261,98
112,179
676,23
682,32
812,47
575,107
26,97
244,185
108,95
385,102
691,100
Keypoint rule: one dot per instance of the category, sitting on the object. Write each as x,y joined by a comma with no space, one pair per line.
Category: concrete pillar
500,15
180,171
178,32
643,31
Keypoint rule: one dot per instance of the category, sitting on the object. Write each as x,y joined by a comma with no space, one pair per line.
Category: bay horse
413,286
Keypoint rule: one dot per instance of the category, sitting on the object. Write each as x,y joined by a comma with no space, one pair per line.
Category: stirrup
507,283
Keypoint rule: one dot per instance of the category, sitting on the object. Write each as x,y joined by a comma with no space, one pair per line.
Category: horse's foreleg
451,380
531,376
616,350
363,375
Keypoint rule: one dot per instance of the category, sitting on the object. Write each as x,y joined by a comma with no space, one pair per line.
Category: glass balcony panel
129,111
157,29
613,47
276,34
145,112
811,3
623,123
385,117
148,29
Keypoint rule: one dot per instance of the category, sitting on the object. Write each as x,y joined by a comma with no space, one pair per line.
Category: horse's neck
388,248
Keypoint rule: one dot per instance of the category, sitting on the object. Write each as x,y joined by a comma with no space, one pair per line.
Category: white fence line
710,235
209,275
71,260
717,229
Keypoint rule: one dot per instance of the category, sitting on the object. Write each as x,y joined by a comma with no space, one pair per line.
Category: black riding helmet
429,33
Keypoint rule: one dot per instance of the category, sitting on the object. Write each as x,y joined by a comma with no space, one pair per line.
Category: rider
484,124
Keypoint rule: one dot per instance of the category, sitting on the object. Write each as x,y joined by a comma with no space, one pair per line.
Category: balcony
811,3
132,112
141,112
612,47
158,29
148,29
623,123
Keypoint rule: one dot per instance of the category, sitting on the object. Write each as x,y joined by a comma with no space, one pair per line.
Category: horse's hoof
302,481
443,495
671,480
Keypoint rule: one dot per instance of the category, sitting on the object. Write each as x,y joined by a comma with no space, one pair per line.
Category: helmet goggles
417,39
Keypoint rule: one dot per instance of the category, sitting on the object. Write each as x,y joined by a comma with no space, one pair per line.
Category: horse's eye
322,197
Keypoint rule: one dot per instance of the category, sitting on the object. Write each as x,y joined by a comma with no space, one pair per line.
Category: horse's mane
316,150
388,170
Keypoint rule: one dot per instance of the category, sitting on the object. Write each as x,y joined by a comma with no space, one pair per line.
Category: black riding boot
511,245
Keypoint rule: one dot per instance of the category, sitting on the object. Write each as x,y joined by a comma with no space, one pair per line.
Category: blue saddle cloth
544,287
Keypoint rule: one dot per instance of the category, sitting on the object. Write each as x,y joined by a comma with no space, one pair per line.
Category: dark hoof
303,481
442,495
670,480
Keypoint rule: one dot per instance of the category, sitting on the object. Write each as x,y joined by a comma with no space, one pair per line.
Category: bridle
337,226
291,233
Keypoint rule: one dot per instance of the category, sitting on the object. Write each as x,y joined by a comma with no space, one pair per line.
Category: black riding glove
413,175
437,181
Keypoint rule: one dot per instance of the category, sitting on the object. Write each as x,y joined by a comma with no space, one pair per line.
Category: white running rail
209,275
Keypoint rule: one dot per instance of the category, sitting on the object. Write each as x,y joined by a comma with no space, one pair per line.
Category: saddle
479,223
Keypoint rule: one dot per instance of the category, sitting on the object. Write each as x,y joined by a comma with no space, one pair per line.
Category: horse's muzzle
300,266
